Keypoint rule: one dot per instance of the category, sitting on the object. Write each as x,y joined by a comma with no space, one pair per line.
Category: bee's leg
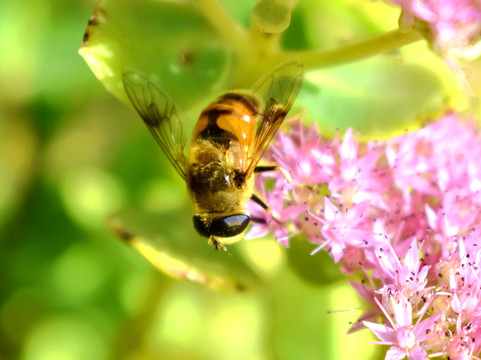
266,207
286,174
260,202
258,220
259,169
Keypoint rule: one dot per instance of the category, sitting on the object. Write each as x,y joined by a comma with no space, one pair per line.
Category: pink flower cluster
405,213
453,26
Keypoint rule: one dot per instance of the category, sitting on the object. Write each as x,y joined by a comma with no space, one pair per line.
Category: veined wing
166,121
277,90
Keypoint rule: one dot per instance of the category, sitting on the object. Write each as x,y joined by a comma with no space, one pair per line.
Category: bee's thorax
215,183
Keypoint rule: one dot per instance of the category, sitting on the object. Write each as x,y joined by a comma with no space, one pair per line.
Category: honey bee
226,144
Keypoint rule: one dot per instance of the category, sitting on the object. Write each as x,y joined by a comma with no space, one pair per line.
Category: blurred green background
71,155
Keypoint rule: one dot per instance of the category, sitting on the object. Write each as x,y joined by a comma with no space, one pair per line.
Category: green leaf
181,253
169,42
378,97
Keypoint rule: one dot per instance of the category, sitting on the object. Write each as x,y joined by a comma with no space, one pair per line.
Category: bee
226,144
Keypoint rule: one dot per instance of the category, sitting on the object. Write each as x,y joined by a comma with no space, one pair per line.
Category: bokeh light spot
75,339
162,195
77,274
90,195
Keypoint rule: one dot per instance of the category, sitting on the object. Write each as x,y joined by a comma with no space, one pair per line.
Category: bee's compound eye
229,226
201,227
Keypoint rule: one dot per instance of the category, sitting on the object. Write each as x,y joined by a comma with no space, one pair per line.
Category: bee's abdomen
208,126
226,118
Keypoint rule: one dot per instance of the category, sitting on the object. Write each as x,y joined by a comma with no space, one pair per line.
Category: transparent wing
277,91
166,121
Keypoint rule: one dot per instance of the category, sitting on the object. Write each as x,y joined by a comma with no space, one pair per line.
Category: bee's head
222,230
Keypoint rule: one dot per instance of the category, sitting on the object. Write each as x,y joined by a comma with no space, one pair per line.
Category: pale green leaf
181,253
169,42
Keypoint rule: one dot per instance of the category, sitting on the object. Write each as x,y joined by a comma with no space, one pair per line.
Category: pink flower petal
383,332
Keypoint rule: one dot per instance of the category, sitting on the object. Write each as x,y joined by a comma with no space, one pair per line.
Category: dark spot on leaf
240,287
124,234
85,39
93,21
186,58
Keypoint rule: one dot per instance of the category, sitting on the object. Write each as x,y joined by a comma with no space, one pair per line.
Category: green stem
265,53
389,41
227,27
